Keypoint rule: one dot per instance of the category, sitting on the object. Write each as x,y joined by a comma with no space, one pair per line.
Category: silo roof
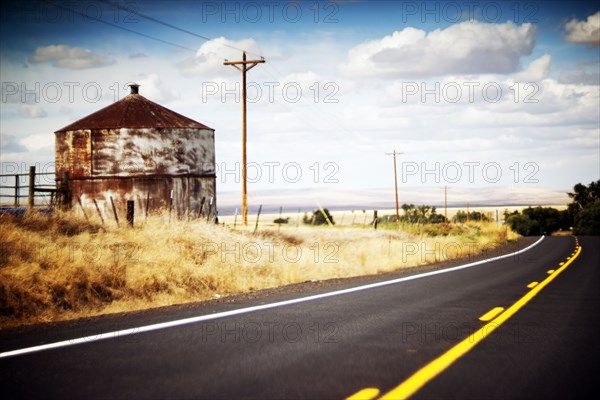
133,111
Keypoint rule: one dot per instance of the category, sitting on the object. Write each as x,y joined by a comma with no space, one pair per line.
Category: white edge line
208,317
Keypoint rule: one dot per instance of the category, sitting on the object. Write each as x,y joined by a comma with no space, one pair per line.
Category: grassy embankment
62,267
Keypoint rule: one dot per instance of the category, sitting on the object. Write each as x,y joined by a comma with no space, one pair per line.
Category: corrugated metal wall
130,164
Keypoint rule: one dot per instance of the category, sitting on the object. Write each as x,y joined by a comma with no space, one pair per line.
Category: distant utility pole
244,66
446,204
394,153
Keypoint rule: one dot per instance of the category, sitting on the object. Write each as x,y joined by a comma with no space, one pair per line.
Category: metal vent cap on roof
134,88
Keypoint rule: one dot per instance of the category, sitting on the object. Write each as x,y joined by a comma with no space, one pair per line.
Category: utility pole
244,66
394,154
446,203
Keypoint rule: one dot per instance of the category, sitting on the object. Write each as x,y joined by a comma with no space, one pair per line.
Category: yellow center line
364,394
550,271
532,285
490,315
420,378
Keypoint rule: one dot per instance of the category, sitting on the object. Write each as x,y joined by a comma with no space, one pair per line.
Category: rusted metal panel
187,194
73,153
149,151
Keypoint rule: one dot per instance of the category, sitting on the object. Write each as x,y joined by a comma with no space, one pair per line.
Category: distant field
357,217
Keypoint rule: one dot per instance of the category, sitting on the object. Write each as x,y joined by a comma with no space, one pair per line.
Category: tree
587,221
584,196
410,213
548,218
537,221
582,212
523,225
423,214
462,216
435,218
318,218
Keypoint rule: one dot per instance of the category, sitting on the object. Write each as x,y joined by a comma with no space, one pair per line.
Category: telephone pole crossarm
236,63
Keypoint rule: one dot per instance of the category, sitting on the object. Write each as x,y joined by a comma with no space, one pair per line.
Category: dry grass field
64,267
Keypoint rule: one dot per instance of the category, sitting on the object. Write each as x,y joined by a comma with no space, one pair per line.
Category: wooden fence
30,186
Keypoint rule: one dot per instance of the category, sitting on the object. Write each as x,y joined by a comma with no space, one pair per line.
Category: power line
144,34
149,18
118,26
332,122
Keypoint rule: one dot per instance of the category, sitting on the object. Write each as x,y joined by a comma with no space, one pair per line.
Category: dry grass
62,267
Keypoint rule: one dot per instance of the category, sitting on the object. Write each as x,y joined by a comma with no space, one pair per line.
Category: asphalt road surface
420,337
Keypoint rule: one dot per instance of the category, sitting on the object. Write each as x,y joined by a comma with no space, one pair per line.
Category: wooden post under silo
201,207
66,192
31,199
130,212
188,202
170,205
112,203
245,67
210,203
82,209
98,209
147,205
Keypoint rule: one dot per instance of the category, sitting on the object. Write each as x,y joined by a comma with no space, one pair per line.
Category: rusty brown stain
73,153
138,188
133,148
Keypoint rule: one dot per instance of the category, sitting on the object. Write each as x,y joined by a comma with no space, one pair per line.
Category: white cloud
32,111
466,48
39,141
536,70
208,61
153,88
63,56
584,32
583,73
9,144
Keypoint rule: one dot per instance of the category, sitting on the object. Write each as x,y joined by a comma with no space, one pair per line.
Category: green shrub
317,218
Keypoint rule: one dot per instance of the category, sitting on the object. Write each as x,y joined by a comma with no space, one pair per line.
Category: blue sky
374,76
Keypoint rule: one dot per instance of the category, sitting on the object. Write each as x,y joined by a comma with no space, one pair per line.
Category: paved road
335,346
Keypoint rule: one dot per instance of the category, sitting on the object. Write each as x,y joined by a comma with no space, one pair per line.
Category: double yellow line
496,318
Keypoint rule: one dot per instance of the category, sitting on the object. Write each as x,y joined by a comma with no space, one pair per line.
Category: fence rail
30,186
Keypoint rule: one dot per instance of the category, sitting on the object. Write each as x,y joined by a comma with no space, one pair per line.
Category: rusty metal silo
135,149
